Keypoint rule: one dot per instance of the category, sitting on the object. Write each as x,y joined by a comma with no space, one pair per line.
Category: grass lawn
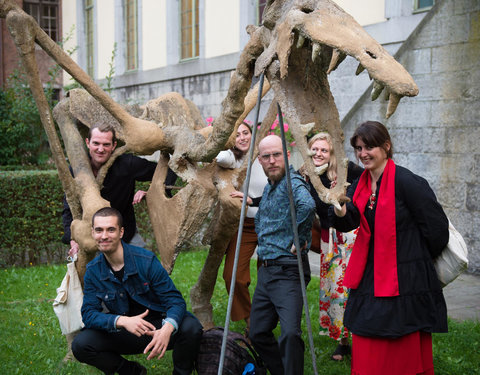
31,341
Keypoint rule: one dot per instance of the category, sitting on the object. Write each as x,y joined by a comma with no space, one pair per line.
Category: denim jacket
145,280
273,222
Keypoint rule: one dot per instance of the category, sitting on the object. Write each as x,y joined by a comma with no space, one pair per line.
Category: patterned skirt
333,296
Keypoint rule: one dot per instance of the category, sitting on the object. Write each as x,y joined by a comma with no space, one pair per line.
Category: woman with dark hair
334,246
234,158
395,300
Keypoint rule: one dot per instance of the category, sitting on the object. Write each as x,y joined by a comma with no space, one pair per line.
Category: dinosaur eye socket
306,10
371,54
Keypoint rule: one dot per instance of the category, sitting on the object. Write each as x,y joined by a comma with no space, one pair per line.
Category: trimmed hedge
30,217
143,220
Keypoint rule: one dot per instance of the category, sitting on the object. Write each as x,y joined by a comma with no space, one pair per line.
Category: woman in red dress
395,300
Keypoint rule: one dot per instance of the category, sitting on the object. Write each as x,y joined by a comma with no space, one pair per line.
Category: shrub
30,218
30,214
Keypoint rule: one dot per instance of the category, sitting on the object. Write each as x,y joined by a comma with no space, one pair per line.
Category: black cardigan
422,234
321,208
118,189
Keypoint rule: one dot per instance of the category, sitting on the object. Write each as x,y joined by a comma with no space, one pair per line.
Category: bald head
270,140
271,157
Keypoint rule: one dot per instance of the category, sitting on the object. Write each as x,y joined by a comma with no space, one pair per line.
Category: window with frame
423,4
261,7
45,13
189,29
132,34
89,36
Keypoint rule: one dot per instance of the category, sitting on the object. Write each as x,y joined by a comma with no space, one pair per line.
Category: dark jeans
103,349
278,297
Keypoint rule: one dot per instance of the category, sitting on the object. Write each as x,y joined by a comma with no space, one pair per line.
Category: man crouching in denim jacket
131,306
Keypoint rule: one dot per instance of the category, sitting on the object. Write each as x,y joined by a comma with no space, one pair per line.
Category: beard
275,174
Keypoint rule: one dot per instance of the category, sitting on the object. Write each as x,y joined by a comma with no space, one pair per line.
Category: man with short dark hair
131,306
119,183
278,295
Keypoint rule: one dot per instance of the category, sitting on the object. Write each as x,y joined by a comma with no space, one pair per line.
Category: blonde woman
335,247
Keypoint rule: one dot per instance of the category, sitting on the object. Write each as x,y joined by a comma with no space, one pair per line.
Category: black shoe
342,351
132,368
139,369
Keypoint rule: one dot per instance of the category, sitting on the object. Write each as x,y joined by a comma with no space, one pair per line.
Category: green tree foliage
21,132
22,136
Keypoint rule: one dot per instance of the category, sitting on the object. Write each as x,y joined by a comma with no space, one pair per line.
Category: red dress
408,355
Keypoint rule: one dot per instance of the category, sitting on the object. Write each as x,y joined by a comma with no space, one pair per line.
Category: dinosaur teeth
377,89
316,48
337,58
393,104
360,68
300,41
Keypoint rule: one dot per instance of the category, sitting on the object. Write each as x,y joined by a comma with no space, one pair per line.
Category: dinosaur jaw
307,103
329,34
304,93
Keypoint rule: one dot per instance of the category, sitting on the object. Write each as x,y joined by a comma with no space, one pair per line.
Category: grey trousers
278,298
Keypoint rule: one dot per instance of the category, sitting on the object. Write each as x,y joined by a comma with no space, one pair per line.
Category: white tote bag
68,303
454,258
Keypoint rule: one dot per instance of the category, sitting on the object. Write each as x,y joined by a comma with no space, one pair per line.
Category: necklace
372,200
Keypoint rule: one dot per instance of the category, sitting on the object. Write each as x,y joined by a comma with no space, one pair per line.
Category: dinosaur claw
306,128
321,170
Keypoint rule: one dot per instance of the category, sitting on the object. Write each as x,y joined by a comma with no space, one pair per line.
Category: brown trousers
241,301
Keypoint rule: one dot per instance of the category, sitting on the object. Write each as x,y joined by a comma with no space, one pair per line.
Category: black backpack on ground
238,354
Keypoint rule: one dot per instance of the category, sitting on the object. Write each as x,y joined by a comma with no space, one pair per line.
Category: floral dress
333,296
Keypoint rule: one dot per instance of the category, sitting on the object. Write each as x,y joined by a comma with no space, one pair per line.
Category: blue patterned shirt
273,222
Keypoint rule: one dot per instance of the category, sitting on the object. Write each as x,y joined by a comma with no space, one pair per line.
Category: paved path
462,295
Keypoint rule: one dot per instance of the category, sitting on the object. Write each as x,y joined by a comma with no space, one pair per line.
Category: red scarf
385,237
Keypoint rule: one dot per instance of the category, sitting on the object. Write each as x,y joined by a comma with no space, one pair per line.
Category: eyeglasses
276,156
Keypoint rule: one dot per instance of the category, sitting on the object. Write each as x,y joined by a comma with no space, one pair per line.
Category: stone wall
437,133
205,82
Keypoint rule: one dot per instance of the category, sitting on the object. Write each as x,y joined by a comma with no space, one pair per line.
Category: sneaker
139,369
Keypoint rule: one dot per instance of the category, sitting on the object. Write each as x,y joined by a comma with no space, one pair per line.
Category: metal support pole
296,241
240,228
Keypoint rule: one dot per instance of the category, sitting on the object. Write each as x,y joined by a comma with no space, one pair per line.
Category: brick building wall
9,59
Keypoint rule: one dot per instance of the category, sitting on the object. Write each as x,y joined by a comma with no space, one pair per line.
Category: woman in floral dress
335,247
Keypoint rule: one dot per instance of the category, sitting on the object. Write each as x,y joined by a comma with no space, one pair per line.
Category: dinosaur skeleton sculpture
298,44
